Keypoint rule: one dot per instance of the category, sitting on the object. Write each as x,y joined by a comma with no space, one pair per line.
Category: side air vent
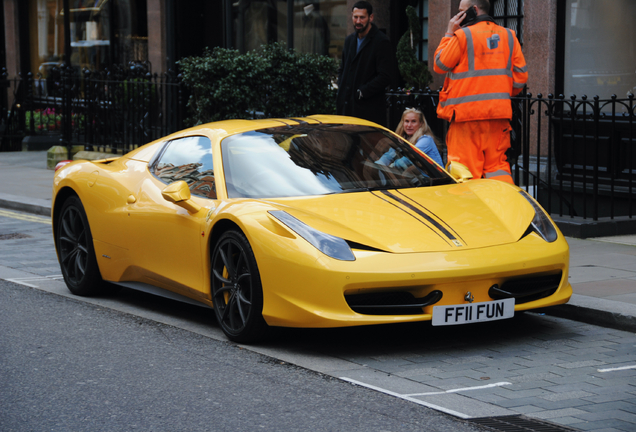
358,246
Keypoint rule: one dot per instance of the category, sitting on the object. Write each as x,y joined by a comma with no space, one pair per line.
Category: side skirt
151,289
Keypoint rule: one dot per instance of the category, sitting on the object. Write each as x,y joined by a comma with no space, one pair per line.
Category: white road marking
617,369
408,398
499,384
23,281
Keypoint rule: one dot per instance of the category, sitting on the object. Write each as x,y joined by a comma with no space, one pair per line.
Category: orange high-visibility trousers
481,145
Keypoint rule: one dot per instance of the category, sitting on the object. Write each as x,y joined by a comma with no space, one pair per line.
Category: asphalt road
66,365
70,363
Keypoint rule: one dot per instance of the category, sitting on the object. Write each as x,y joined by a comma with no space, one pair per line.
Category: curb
597,311
32,205
578,227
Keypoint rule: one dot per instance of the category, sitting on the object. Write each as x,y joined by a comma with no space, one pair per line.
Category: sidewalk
602,270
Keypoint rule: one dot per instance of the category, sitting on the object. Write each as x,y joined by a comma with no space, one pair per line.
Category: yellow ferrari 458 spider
323,221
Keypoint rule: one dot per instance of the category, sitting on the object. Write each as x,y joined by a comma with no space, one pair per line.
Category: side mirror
179,194
459,172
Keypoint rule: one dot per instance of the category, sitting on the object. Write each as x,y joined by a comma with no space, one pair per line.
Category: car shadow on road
419,337
375,338
410,339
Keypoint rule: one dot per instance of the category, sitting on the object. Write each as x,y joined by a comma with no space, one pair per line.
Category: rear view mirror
459,172
179,194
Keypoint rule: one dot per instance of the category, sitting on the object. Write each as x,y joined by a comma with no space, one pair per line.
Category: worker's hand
454,23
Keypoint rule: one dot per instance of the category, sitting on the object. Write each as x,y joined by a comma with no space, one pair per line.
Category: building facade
571,46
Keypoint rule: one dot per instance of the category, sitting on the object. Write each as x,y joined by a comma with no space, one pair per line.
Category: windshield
322,159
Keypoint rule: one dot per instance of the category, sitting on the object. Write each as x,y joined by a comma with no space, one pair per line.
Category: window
317,26
102,32
509,14
188,159
422,12
600,48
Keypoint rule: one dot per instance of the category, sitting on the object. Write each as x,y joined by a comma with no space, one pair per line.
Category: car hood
475,214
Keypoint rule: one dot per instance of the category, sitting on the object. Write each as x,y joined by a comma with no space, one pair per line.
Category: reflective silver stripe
439,63
472,73
476,98
511,47
471,49
518,85
497,173
481,73
522,69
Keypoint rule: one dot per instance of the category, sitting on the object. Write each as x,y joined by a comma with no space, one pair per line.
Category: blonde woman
414,128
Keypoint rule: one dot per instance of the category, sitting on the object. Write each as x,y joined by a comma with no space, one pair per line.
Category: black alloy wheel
75,250
237,294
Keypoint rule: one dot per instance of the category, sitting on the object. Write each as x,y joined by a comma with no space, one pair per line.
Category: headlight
541,224
335,247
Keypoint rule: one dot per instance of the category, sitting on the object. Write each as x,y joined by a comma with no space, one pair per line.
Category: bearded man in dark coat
368,67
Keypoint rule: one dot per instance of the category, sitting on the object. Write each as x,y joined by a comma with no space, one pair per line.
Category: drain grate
13,236
519,423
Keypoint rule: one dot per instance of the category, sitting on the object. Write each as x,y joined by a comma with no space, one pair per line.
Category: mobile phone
470,16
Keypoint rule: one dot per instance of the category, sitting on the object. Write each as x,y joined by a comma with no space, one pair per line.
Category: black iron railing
110,111
575,156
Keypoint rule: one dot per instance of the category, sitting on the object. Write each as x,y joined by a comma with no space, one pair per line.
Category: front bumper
303,288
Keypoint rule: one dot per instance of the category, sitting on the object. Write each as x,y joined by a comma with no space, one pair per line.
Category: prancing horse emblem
469,297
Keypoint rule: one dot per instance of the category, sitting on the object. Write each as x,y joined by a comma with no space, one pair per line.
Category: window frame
154,163
509,16
423,45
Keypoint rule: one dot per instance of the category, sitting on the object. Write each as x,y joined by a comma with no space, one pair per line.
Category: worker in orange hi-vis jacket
484,67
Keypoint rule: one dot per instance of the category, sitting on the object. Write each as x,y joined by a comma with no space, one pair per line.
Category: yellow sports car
323,221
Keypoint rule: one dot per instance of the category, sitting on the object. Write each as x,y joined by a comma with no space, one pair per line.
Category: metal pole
66,73
67,33
229,25
290,25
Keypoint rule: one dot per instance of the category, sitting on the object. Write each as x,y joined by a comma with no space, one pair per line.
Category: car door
166,240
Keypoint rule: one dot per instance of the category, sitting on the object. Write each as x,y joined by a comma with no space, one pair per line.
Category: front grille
527,289
391,303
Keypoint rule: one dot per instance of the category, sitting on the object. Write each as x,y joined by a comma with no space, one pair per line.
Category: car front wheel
237,294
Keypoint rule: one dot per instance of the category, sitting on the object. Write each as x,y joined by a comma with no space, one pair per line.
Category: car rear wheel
237,294
75,250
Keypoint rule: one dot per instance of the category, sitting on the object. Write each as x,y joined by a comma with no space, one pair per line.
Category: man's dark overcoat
371,71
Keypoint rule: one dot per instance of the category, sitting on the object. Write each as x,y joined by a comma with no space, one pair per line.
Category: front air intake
527,289
391,303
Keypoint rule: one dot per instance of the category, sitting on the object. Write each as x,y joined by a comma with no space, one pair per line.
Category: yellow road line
26,217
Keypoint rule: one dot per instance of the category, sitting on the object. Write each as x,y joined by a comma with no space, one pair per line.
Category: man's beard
362,29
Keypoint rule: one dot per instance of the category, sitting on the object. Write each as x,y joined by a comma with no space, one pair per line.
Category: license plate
473,312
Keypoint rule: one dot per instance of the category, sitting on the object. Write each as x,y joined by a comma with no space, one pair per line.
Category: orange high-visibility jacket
484,67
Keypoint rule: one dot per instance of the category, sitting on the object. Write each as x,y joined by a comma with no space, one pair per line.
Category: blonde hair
423,130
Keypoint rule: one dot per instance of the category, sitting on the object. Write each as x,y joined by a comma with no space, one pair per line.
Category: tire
237,294
76,253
